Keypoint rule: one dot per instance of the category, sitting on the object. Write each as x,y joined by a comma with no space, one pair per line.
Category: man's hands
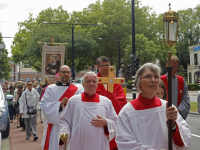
64,101
171,114
101,122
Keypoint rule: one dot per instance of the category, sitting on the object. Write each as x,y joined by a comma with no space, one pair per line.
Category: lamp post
133,47
170,27
119,57
73,71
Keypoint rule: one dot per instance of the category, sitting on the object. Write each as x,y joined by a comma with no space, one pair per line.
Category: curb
193,113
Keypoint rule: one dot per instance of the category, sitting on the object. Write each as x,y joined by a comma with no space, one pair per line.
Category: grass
193,107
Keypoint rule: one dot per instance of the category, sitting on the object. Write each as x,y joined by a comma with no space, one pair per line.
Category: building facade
194,65
19,73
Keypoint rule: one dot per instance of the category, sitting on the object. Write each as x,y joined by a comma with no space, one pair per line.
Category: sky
14,11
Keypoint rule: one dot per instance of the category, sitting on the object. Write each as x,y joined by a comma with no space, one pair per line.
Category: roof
27,70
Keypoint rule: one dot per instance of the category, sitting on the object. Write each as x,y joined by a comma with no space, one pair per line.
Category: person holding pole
180,96
142,123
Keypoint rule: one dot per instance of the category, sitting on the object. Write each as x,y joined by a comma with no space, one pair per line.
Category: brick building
23,74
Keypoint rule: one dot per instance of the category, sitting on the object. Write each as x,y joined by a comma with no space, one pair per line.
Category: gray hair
89,74
154,68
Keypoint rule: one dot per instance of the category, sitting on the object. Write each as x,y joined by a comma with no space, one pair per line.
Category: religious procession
109,84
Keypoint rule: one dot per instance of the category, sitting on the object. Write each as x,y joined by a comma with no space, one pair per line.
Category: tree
182,72
147,50
4,62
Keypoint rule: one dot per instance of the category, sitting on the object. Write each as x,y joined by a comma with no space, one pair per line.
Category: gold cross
110,80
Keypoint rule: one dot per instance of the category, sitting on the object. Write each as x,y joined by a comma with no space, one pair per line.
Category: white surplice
147,129
50,105
76,119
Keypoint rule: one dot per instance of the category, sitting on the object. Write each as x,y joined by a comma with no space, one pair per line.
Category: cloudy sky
14,11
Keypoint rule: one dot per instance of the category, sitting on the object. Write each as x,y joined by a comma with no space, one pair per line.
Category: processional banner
52,59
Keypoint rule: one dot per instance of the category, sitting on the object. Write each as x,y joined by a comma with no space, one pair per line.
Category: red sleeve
177,137
119,94
110,96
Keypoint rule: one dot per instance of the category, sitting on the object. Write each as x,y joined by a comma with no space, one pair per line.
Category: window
195,59
196,77
190,77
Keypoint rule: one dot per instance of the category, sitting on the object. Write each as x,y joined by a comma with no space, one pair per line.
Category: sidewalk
18,137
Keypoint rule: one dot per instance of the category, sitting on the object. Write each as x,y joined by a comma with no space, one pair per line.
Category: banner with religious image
52,59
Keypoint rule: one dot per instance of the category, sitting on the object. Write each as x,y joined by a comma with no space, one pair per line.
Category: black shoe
35,137
41,121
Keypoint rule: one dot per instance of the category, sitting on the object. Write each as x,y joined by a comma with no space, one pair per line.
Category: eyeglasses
103,66
65,72
149,77
94,82
29,84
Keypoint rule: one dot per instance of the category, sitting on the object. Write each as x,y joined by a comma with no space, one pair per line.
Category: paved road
194,123
18,141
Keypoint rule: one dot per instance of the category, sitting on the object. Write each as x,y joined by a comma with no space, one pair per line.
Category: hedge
129,85
193,87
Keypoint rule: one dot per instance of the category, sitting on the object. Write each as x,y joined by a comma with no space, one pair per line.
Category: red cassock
118,99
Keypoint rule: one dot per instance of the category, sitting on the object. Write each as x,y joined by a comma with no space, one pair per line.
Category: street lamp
119,58
170,27
73,71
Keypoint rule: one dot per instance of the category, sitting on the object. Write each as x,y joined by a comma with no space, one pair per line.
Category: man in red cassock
118,96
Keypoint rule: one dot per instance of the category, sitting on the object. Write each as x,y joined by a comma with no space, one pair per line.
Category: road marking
195,135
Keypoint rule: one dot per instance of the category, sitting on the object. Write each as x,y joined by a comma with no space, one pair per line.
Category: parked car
4,118
79,80
80,86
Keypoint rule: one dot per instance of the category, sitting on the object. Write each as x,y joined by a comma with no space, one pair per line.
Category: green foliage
193,87
4,62
129,84
182,72
115,16
147,50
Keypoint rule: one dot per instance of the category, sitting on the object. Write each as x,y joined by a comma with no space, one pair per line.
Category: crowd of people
100,120
24,94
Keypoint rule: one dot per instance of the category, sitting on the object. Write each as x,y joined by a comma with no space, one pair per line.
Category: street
194,123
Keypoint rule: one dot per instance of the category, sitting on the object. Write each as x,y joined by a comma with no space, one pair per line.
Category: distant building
194,64
23,74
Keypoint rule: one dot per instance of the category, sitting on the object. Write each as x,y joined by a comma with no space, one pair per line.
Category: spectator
161,93
10,102
17,95
30,97
5,89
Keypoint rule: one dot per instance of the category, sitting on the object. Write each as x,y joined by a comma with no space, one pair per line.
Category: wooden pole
169,70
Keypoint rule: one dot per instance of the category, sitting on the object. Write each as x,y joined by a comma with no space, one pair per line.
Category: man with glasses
118,97
89,119
52,105
180,96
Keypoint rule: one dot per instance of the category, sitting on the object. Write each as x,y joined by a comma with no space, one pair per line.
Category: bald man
52,105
